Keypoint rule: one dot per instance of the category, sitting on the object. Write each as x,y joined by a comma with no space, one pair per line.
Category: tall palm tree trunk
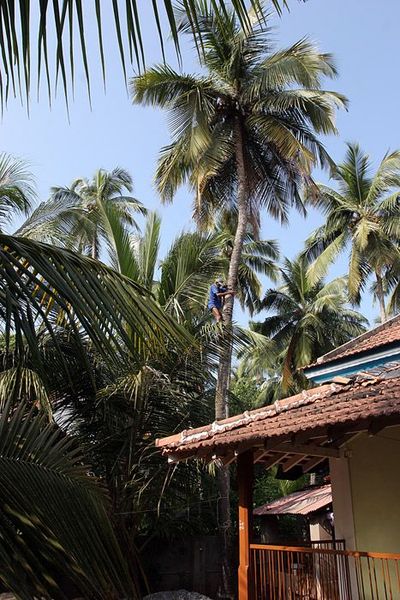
221,396
380,293
225,359
95,249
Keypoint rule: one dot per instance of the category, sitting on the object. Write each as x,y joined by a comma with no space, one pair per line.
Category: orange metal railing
300,573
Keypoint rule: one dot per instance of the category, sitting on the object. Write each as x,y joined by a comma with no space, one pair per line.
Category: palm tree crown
308,320
363,214
16,188
277,100
87,214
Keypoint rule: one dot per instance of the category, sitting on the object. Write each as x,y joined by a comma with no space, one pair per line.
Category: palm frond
119,241
54,516
386,178
20,28
300,64
17,188
319,267
45,287
353,173
191,264
148,250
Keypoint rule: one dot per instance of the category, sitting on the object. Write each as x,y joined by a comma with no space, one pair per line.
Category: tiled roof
373,340
358,401
302,502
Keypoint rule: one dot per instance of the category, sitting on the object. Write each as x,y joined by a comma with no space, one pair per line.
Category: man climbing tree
245,138
218,292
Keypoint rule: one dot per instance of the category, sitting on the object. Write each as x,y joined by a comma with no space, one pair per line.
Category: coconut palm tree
58,309
17,188
82,216
243,133
363,217
309,319
20,24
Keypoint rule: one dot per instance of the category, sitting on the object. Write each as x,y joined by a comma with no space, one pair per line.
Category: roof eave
324,373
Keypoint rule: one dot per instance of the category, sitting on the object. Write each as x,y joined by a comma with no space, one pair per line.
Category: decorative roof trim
201,433
349,366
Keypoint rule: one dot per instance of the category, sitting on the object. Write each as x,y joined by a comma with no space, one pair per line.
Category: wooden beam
229,458
274,460
292,462
309,450
345,439
245,487
260,454
313,462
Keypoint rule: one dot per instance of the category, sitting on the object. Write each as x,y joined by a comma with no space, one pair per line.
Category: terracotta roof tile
373,340
363,399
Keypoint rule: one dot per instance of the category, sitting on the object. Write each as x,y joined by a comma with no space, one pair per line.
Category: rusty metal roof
302,502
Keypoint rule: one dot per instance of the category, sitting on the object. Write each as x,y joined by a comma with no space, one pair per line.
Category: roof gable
371,349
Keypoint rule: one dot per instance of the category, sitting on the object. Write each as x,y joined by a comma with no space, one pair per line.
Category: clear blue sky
363,36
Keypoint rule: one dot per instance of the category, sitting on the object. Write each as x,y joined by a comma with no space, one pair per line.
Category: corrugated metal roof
303,502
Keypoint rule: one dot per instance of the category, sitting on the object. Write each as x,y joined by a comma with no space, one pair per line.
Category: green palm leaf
17,189
45,287
149,249
53,516
19,26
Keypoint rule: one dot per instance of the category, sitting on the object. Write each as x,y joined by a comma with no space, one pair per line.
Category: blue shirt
215,301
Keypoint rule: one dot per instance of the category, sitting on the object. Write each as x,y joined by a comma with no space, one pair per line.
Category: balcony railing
300,573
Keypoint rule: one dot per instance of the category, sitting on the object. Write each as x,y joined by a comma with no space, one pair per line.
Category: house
351,418
312,508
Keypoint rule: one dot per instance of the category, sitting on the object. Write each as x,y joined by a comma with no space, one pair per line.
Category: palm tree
83,215
244,133
67,19
68,325
362,215
309,319
17,190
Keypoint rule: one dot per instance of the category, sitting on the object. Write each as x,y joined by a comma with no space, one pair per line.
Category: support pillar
245,487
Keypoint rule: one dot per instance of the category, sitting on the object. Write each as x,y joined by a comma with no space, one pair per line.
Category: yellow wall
342,502
374,470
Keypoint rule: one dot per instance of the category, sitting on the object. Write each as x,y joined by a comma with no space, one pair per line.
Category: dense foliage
106,345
